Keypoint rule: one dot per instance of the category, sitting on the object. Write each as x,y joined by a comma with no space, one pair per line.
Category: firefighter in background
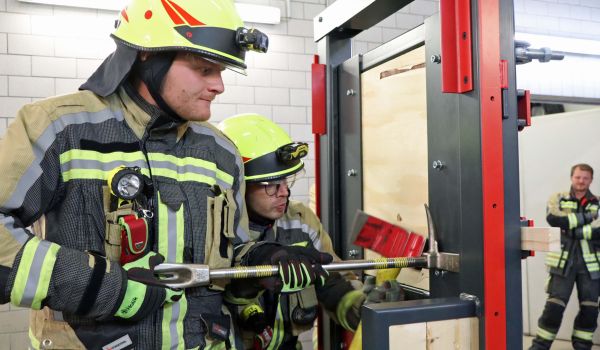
127,174
575,212
272,164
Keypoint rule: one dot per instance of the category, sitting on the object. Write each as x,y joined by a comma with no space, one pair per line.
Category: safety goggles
273,187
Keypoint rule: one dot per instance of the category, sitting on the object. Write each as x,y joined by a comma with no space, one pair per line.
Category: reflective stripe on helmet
208,28
269,167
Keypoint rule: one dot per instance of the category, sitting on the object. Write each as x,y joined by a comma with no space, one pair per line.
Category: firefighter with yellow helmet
273,318
127,174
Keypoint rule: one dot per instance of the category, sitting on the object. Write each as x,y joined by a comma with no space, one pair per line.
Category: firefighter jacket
55,160
289,314
576,220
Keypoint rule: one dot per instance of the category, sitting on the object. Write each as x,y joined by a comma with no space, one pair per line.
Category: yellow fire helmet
266,149
210,28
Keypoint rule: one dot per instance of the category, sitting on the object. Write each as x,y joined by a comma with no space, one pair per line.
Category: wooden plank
553,246
540,234
541,239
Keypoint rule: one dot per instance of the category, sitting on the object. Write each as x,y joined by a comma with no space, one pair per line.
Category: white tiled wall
48,50
571,18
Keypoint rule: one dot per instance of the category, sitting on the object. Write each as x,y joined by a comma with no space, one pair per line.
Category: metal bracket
474,299
524,108
457,66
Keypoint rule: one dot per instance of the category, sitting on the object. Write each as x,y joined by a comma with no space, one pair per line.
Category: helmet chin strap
287,203
152,71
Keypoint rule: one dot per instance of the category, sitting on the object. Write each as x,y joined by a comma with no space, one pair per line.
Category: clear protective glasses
273,187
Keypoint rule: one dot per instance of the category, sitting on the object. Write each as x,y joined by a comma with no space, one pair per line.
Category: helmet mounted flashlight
292,151
252,39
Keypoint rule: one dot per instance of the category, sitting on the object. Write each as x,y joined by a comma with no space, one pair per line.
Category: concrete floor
557,345
306,339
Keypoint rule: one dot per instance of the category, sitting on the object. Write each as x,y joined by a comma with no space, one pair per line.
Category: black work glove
299,266
590,216
144,293
585,218
585,232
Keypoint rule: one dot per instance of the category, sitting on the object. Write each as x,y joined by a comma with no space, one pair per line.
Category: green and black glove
348,310
144,293
299,266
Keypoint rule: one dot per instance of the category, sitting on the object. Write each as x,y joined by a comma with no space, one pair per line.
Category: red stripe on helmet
174,16
188,18
124,14
245,159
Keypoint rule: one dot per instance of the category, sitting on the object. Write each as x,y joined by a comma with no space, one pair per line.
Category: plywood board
456,334
394,141
394,146
408,336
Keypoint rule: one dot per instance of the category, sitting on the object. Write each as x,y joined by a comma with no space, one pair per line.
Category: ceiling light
248,12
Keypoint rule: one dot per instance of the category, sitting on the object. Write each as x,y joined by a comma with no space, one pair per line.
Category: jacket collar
589,196
142,117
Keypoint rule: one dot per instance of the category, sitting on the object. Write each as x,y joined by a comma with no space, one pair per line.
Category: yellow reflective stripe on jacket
544,334
587,232
34,343
189,166
33,276
554,258
568,205
278,328
170,245
572,220
220,345
592,207
583,334
589,257
86,164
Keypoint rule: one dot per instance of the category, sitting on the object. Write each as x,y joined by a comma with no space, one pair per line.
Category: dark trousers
560,288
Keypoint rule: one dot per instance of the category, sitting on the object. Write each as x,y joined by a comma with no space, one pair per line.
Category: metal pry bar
435,259
179,276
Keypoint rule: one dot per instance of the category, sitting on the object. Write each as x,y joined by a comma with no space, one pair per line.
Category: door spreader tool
180,276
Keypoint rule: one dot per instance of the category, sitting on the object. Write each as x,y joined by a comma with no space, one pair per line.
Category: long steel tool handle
194,275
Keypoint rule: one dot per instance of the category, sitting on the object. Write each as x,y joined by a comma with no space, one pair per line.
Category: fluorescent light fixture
248,12
116,5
